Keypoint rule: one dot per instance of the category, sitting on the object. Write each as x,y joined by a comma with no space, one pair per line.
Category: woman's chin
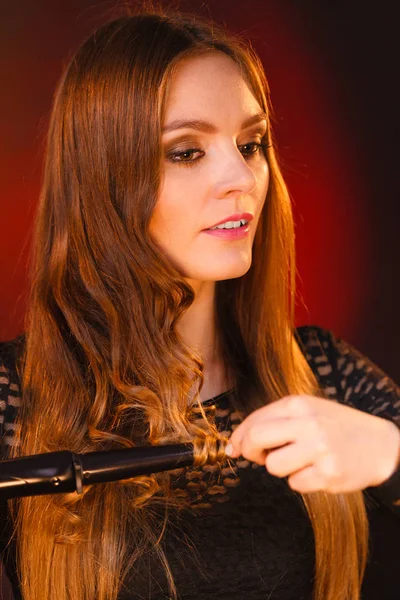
220,272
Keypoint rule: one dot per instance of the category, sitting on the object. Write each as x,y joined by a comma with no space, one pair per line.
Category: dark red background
332,68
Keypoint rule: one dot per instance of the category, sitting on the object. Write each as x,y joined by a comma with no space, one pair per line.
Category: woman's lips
236,217
236,233
233,233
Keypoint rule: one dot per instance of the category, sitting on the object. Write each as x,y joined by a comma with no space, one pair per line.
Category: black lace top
251,537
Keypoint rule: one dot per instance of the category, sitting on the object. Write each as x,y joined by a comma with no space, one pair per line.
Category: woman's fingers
258,438
307,480
290,458
263,436
287,408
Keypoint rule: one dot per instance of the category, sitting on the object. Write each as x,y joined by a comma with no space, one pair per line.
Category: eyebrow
207,127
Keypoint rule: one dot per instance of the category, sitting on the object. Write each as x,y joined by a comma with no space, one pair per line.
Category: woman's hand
319,444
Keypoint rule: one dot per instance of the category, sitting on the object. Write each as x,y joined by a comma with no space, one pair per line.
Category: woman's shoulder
314,339
326,352
322,351
347,375
10,386
10,350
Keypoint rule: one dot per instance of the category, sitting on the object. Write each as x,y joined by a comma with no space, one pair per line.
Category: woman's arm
342,446
359,383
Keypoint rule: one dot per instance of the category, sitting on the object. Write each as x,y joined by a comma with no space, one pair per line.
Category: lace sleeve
10,396
351,378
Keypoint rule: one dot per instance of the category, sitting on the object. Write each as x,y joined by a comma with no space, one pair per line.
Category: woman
161,310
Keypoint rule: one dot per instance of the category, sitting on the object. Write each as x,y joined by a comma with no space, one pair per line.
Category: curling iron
64,471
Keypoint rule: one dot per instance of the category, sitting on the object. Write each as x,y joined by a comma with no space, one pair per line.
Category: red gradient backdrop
323,160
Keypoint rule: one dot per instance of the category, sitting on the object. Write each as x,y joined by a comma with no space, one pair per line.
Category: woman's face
214,170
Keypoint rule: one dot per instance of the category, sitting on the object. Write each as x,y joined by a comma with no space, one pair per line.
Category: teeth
230,224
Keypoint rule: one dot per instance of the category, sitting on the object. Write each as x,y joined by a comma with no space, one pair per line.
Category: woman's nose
234,175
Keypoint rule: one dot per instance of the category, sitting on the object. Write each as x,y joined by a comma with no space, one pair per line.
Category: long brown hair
104,365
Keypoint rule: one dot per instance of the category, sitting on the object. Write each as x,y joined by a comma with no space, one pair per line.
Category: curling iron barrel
64,471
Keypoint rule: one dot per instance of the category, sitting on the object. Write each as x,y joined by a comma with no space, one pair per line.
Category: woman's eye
188,158
252,148
184,156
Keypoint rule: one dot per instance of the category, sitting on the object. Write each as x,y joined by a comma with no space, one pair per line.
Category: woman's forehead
210,83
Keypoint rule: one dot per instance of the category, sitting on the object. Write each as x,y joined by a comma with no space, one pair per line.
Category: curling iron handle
49,473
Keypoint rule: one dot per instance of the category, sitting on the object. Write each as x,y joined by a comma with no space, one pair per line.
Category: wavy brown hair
104,365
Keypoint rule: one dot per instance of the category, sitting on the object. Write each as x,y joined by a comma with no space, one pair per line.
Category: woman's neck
197,327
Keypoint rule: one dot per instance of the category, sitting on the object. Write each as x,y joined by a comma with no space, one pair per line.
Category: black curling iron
64,471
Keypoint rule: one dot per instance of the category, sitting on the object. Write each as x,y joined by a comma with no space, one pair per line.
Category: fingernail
229,449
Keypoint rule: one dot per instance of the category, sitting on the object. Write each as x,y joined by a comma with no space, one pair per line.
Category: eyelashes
182,157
